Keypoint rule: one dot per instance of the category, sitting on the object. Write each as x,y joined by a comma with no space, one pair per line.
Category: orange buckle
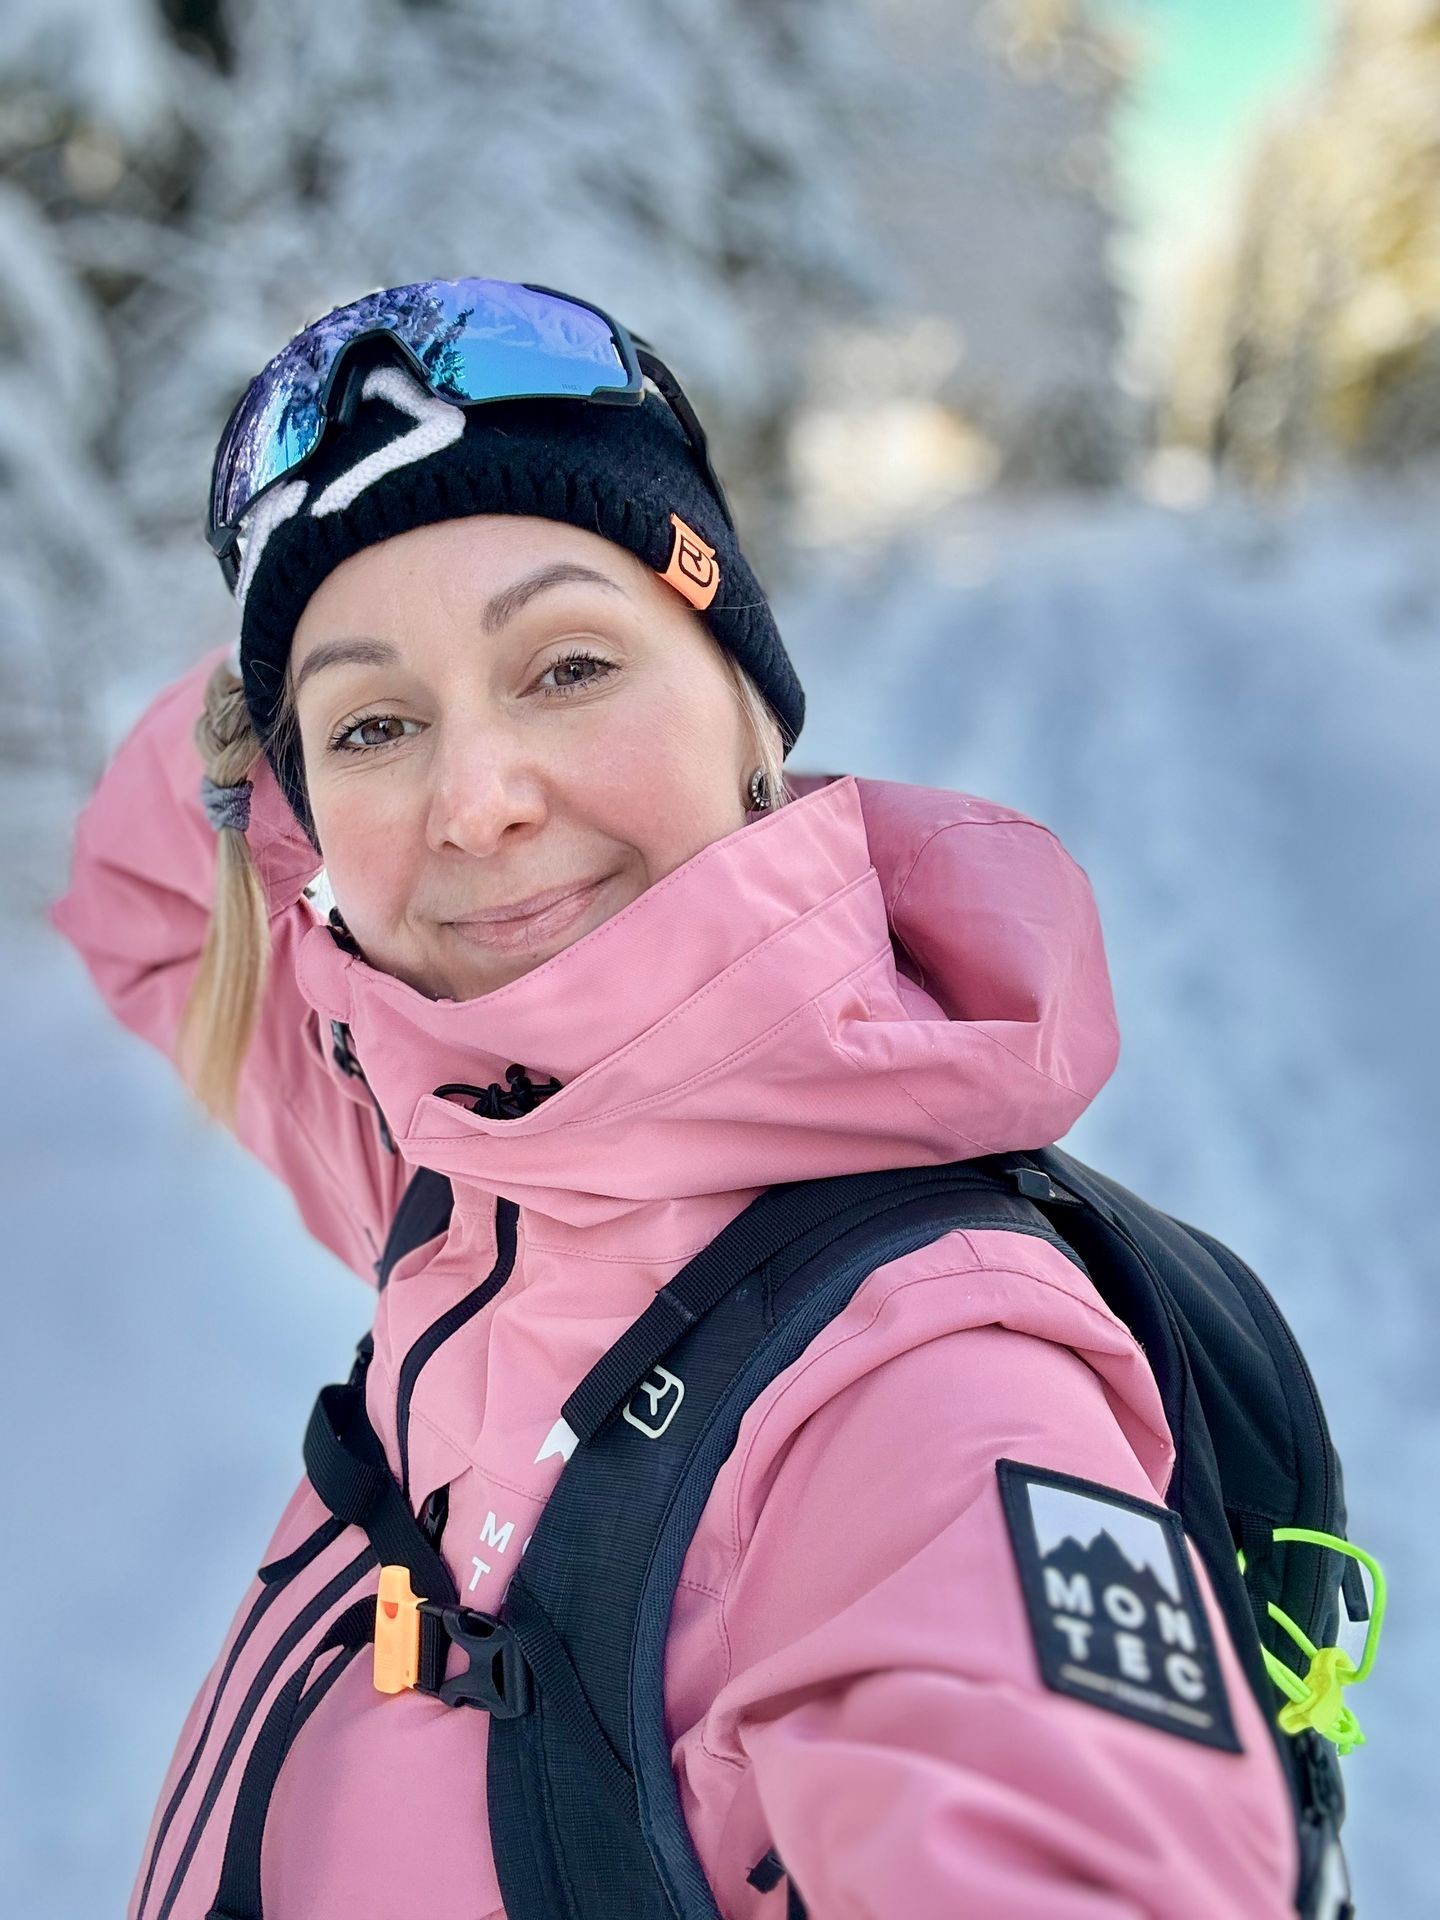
397,1632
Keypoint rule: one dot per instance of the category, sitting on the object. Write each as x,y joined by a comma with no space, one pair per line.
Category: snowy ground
1231,725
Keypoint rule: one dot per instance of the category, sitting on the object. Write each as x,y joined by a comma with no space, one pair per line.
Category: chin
471,960
464,980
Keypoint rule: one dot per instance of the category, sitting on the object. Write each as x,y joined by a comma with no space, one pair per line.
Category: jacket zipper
450,1322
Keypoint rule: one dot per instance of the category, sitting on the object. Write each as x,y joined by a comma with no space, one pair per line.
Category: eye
579,658
370,732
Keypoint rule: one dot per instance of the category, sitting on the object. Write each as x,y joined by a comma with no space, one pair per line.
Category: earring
759,796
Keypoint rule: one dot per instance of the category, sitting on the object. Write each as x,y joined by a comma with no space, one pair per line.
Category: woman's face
462,757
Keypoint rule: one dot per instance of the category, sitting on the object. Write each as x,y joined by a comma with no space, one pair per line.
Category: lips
524,909
541,913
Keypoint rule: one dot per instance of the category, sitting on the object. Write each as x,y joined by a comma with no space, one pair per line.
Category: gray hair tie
226,806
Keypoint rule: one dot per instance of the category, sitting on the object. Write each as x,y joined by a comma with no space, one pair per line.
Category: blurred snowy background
1076,370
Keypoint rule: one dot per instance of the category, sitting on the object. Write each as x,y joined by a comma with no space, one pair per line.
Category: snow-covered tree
85,118
190,183
1313,336
985,168
741,181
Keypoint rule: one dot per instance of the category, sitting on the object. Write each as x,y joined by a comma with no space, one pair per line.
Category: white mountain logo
559,1440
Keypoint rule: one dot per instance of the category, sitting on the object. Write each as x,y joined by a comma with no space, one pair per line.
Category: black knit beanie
409,458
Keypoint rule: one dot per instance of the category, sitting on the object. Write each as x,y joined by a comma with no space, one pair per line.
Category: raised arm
141,886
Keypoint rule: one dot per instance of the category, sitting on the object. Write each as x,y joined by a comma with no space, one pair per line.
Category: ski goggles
469,341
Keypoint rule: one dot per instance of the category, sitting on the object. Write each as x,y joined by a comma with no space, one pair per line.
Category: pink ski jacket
876,975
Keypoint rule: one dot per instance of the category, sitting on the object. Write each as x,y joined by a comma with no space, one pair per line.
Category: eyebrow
497,611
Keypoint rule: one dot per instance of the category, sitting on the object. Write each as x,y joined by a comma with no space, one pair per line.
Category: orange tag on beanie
693,569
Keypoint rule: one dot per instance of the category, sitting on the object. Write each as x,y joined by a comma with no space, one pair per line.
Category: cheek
367,840
660,775
664,780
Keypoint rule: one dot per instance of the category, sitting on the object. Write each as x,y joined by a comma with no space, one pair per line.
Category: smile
519,931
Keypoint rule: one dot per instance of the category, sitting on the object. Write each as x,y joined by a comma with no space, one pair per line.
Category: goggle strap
655,369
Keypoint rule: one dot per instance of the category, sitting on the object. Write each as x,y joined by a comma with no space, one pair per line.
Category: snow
1230,722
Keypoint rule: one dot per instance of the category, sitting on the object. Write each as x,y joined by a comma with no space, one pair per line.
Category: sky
1210,73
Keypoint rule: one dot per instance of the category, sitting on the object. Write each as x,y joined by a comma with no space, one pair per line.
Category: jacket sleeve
141,884
908,1757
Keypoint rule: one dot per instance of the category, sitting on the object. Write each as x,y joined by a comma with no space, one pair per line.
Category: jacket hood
875,975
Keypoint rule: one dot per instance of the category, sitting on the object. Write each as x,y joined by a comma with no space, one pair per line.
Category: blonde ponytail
224,1000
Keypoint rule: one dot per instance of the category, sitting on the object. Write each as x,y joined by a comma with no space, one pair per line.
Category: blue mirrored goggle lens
473,339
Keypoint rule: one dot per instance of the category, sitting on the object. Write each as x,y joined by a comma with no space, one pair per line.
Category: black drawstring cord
493,1102
342,935
503,1103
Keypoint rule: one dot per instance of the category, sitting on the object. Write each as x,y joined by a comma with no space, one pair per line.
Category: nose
483,785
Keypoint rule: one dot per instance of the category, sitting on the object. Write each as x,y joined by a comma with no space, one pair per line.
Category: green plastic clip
1316,1699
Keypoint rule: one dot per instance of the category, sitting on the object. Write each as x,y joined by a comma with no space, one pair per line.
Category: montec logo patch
1113,1603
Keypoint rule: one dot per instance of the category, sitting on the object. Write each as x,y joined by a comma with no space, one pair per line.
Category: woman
504,671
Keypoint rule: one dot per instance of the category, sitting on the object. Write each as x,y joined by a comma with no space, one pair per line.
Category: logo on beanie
693,569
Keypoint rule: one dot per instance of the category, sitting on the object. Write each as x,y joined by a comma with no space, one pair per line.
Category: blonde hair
224,1003
225,996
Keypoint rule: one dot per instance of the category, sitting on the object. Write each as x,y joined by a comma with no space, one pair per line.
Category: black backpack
584,1812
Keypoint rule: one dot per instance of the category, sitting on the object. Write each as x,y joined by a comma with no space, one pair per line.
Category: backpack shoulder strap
654,1421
